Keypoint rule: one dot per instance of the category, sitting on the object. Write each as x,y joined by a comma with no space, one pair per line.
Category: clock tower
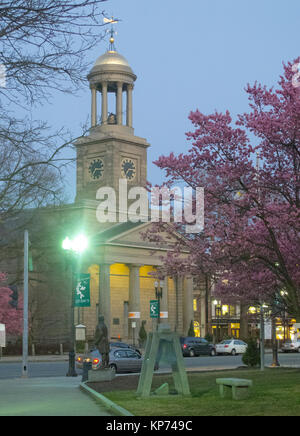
110,151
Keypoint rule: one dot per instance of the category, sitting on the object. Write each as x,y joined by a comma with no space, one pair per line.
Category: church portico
122,294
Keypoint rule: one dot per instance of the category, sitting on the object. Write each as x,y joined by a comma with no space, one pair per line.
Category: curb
118,410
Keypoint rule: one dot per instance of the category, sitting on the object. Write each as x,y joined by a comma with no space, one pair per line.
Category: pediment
131,234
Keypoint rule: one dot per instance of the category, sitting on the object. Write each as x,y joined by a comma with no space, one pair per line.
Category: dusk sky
196,54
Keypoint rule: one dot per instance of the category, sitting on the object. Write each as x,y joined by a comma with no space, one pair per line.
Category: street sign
80,332
268,330
154,309
82,296
2,336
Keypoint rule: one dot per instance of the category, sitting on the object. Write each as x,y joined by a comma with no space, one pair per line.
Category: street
59,369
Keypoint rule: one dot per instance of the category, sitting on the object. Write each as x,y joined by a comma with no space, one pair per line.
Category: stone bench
234,384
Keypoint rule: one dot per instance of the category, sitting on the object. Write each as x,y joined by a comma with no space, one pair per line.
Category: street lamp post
74,248
218,308
158,294
262,337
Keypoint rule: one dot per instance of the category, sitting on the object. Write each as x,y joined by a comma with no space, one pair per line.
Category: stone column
104,103
104,295
188,310
203,314
164,301
129,105
94,106
126,322
134,299
120,103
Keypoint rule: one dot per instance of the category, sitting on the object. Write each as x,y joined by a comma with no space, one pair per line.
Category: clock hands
128,168
96,169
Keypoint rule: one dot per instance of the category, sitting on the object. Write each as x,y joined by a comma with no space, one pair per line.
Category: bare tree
43,44
42,49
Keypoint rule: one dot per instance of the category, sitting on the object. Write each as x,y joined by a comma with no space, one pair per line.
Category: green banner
154,309
82,297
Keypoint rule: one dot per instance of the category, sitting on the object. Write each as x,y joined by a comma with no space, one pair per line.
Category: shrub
142,335
191,332
209,337
252,356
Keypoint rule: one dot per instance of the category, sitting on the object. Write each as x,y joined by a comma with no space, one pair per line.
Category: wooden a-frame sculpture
163,345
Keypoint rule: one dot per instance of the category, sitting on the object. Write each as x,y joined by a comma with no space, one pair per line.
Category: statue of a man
101,341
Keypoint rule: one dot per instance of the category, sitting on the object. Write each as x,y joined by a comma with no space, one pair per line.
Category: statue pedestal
163,345
102,375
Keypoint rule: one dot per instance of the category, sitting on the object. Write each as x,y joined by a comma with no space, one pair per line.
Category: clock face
96,169
128,169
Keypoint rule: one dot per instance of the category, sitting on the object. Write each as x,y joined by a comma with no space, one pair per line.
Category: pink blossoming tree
251,239
10,316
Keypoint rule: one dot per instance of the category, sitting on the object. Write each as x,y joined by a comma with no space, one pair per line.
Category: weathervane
112,32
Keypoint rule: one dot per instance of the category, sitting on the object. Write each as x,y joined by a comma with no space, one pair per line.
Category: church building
121,263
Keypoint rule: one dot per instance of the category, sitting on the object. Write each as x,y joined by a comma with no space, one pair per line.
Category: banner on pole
82,297
2,336
154,309
134,315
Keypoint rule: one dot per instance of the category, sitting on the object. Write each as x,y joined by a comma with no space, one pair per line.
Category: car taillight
96,361
185,346
79,359
226,346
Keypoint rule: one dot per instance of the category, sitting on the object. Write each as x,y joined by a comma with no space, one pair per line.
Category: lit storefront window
225,310
280,333
195,305
235,330
197,329
232,310
252,310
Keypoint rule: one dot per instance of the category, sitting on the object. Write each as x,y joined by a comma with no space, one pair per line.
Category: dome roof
111,58
111,61
111,67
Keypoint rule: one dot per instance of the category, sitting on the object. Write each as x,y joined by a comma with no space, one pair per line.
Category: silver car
231,346
120,360
291,346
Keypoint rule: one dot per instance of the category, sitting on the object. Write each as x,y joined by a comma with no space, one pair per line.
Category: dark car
196,346
124,345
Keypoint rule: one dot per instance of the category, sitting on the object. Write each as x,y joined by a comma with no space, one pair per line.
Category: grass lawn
276,392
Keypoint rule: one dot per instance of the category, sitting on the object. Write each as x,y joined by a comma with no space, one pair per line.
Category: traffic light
14,296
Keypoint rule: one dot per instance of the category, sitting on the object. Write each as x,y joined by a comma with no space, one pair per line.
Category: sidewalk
46,397
48,358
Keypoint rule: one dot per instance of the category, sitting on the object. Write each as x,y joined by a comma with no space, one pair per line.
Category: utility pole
25,309
262,338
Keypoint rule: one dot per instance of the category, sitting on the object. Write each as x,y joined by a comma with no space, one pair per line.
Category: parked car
124,345
120,360
231,346
196,346
81,358
291,346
